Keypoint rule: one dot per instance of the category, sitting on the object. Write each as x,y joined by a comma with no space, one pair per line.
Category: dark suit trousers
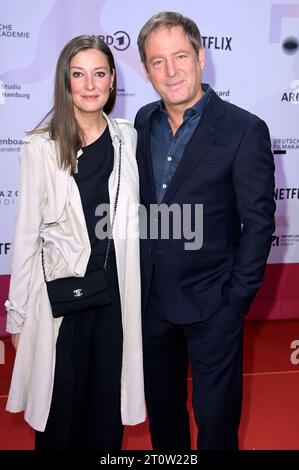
214,349
85,408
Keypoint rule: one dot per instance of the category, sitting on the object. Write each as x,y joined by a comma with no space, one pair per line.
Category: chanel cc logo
78,292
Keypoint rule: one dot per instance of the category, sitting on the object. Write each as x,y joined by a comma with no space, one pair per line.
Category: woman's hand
15,338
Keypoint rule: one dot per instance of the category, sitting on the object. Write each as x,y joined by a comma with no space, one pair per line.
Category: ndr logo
120,40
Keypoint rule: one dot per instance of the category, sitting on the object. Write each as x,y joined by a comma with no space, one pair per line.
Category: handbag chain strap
114,210
110,236
43,265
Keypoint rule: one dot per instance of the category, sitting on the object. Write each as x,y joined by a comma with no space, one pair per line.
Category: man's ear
201,58
145,71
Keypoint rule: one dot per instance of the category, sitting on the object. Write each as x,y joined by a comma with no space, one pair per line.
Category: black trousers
214,349
85,407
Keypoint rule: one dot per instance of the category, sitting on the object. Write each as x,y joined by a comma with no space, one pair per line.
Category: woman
78,377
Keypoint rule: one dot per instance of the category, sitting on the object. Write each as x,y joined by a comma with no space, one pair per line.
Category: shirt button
164,186
169,159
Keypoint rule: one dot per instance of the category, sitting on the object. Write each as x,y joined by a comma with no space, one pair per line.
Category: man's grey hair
169,19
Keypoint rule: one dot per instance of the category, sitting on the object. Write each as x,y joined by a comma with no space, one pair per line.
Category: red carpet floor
270,417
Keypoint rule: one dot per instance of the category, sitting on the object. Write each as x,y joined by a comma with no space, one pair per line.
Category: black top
94,168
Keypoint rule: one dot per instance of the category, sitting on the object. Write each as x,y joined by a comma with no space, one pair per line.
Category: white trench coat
50,208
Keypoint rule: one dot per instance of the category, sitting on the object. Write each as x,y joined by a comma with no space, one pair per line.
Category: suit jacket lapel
147,185
198,145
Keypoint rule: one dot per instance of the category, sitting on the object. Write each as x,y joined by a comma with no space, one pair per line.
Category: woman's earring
111,88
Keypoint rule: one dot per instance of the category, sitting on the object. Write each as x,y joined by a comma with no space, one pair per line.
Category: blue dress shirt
167,149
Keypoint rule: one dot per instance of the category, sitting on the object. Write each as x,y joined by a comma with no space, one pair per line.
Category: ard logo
120,40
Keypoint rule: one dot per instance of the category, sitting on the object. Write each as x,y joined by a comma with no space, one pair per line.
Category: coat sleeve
26,241
253,179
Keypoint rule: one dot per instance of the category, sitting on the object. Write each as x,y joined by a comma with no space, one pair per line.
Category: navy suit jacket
228,167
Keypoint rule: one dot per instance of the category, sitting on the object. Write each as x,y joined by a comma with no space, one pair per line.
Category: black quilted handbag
73,294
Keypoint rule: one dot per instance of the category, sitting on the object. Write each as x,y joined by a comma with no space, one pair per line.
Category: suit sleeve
253,179
26,238
136,120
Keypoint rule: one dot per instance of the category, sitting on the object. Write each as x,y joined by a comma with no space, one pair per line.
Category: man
195,149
